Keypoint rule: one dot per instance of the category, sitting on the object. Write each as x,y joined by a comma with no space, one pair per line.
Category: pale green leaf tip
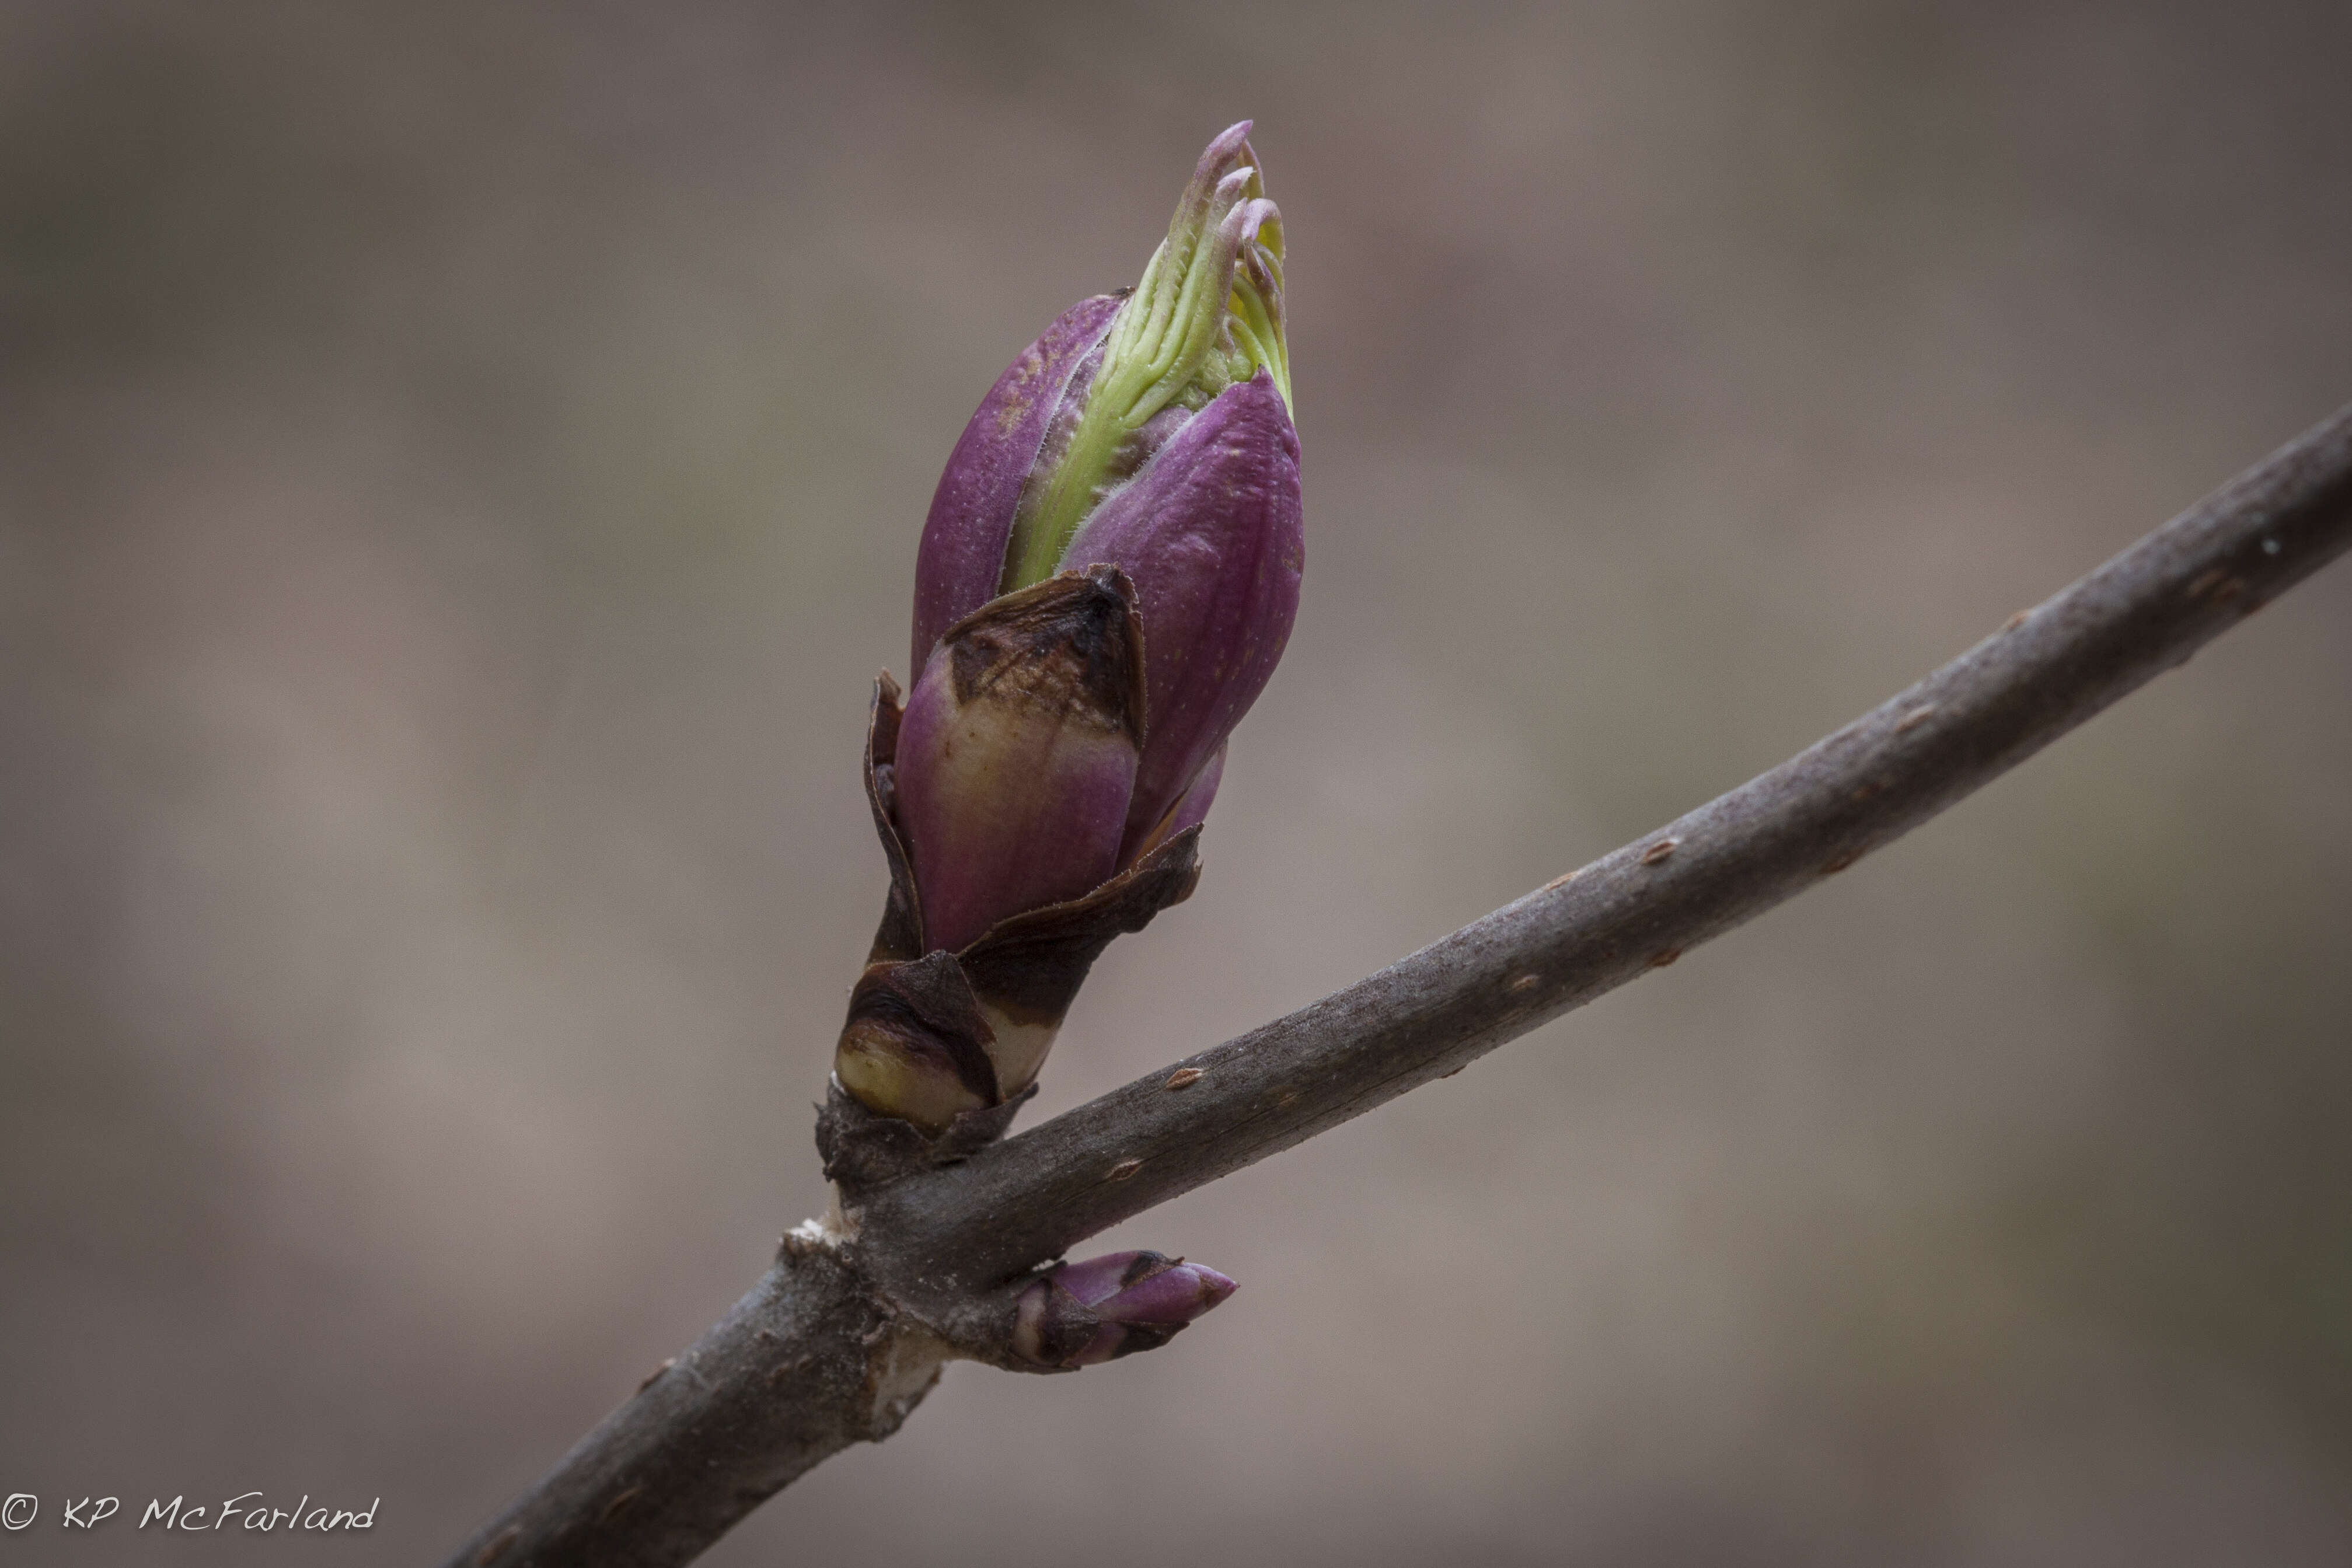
1207,312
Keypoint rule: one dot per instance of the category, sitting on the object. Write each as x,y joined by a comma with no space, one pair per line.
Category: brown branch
837,1343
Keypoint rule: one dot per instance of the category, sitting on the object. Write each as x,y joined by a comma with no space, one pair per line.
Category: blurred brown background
460,467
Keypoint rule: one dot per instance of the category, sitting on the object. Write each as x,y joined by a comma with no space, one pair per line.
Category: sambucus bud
1084,1313
1107,575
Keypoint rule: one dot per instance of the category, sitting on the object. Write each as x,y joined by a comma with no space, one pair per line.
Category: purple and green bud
1081,1315
1107,576
1207,315
1103,388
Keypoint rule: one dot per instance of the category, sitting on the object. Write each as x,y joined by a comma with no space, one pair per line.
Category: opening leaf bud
1083,408
1208,313
1108,573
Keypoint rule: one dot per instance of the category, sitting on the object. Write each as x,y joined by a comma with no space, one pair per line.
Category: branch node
863,1151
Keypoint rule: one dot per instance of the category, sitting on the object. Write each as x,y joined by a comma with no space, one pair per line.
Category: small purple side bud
1102,1309
1016,758
962,555
1212,532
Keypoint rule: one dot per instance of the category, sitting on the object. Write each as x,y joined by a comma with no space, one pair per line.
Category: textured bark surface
841,1339
809,1362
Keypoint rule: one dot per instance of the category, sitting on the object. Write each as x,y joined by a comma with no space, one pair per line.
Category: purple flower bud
1017,755
1211,533
1102,1309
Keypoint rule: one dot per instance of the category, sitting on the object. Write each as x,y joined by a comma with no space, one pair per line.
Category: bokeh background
460,467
